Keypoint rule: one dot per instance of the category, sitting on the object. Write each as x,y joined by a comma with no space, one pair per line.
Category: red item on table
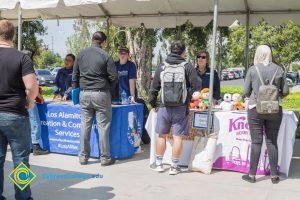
39,99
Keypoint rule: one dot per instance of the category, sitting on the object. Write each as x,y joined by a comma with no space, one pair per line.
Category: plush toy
237,102
195,100
227,104
204,96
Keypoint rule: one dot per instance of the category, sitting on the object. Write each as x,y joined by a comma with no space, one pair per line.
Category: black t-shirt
13,66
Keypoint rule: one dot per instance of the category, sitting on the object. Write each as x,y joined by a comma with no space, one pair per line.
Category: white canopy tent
157,13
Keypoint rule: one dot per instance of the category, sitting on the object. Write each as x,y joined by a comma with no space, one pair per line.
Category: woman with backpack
265,86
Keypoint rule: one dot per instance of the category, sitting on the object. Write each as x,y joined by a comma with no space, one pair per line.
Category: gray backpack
173,84
268,96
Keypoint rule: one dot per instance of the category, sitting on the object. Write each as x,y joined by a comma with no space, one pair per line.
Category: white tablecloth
234,143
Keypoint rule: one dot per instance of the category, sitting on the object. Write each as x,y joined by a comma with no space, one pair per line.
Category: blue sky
59,33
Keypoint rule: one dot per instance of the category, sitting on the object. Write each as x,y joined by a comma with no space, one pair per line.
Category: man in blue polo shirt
127,73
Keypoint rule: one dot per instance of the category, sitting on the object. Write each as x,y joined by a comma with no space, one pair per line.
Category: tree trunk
142,55
220,54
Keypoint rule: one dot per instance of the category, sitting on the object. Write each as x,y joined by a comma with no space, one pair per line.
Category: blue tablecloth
61,129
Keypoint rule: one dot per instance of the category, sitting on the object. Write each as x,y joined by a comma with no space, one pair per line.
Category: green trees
30,31
195,38
283,39
81,39
48,59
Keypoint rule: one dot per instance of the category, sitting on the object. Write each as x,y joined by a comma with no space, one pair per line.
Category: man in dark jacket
63,80
94,73
173,116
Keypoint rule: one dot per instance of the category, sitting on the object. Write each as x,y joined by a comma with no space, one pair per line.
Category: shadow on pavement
58,189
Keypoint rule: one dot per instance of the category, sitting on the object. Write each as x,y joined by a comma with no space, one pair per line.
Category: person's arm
284,86
69,89
155,88
217,87
29,80
194,81
112,71
76,73
132,79
247,88
32,89
56,86
132,83
248,85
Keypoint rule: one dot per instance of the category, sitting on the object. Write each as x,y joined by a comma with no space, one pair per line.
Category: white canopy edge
154,13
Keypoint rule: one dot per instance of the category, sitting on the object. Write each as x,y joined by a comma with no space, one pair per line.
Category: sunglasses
202,57
123,54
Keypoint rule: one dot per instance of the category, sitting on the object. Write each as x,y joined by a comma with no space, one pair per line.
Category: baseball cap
123,50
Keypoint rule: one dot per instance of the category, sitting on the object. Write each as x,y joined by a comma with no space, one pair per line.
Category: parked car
50,68
239,73
45,78
292,78
232,75
236,74
55,71
227,75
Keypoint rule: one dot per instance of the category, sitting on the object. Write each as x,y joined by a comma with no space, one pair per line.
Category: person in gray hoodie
268,122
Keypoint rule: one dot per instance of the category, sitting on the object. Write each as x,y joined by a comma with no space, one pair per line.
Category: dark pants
15,131
271,124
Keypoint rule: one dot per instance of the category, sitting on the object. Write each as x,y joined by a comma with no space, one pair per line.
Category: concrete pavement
131,179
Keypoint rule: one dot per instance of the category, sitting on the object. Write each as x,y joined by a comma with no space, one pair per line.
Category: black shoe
106,161
83,160
2,197
275,180
37,150
250,179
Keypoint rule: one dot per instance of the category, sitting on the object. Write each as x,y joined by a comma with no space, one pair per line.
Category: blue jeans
15,131
35,124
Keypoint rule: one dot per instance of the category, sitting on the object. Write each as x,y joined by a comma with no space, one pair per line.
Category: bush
292,102
232,90
48,92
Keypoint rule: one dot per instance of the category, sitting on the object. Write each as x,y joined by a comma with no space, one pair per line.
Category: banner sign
61,126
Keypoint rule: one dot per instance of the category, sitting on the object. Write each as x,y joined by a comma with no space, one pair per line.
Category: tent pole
108,34
212,65
20,27
247,40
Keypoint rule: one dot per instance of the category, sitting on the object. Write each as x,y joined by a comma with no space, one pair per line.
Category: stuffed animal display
237,102
204,96
227,104
200,100
195,100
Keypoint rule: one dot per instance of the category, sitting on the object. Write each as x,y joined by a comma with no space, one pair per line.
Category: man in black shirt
94,73
18,90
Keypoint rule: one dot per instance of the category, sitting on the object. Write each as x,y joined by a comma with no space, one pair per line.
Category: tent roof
155,13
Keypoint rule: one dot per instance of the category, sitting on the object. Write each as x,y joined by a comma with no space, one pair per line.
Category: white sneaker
174,170
157,168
